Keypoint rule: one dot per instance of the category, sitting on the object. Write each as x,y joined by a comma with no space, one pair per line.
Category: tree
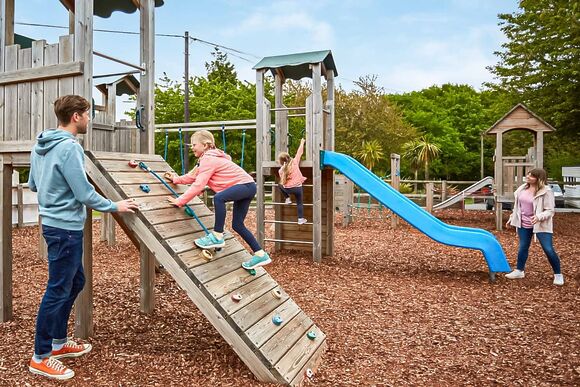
370,153
422,152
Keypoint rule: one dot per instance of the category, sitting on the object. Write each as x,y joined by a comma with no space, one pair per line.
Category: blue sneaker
257,262
210,241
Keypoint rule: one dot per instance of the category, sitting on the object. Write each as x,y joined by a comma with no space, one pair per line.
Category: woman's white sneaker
515,274
558,279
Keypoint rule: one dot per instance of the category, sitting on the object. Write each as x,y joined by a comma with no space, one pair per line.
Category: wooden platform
279,354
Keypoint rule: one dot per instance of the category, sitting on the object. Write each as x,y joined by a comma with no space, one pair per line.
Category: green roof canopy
297,66
24,41
104,8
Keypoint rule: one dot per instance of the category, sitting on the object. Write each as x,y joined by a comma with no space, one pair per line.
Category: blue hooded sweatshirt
57,173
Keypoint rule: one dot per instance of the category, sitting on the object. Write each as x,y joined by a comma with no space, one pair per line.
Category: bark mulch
398,309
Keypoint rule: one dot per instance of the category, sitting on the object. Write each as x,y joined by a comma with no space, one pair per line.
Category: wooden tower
318,234
510,171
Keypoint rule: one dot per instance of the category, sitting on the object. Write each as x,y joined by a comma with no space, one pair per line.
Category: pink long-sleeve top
216,170
295,177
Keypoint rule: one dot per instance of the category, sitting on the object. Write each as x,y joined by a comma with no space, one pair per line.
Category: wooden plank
20,205
11,96
133,191
167,215
83,52
147,78
285,338
156,202
134,225
48,72
126,157
219,267
299,354
249,292
137,177
184,243
123,166
264,329
192,258
24,97
231,281
37,93
178,227
254,312
5,239
312,365
50,87
65,55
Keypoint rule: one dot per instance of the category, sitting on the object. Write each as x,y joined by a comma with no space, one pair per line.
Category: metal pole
186,100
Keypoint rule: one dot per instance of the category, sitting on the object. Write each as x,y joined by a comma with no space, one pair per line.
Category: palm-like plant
421,152
370,153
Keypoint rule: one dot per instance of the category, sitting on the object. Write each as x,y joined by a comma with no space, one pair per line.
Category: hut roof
104,8
297,66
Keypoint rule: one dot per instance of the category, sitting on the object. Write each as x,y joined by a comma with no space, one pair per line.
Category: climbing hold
145,188
309,373
237,297
277,293
189,211
133,164
277,319
311,335
207,254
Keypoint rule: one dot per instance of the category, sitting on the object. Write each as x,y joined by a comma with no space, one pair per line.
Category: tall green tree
371,153
421,152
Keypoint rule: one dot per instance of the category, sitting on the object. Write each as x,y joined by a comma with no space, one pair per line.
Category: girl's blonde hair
541,177
204,137
286,161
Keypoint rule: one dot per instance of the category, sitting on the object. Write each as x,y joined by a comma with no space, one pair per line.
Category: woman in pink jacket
231,184
532,214
291,179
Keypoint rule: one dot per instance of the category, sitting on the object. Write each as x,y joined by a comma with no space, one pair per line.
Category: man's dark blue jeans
66,279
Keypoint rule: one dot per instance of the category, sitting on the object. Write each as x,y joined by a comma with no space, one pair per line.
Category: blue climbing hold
145,188
311,335
277,320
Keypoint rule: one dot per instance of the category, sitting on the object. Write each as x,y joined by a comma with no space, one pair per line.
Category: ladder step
284,204
288,241
269,184
285,222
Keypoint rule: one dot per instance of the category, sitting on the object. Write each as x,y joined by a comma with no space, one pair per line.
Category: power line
232,51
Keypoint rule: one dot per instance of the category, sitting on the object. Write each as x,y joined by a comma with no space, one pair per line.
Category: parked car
558,194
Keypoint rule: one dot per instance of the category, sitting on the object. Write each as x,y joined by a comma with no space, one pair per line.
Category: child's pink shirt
295,177
215,170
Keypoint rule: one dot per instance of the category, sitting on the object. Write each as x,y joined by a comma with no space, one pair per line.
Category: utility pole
186,103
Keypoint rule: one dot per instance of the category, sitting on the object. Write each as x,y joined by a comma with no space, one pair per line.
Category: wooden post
84,301
540,150
20,204
444,190
260,136
147,267
83,51
498,181
281,145
429,199
329,135
6,238
317,141
395,182
147,88
108,228
7,22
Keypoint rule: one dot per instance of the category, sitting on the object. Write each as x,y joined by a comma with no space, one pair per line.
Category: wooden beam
137,3
147,81
5,239
84,301
147,268
48,72
8,22
83,52
16,146
260,209
317,145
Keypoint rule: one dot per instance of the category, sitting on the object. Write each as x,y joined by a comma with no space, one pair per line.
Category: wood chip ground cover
398,309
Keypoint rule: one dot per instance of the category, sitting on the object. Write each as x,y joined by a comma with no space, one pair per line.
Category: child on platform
291,179
231,184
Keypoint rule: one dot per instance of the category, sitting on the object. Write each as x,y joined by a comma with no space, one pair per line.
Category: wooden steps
274,353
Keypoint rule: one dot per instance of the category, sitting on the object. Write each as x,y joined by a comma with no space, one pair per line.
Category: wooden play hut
32,77
318,234
510,171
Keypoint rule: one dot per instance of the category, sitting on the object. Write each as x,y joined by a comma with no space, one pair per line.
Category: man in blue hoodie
58,175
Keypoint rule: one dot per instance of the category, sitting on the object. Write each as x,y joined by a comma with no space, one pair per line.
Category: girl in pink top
231,184
291,179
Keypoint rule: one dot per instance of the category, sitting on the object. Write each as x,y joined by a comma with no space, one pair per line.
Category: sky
409,45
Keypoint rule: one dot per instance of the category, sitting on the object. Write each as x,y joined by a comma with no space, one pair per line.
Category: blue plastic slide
471,238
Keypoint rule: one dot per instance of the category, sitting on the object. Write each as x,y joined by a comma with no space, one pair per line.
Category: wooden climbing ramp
274,353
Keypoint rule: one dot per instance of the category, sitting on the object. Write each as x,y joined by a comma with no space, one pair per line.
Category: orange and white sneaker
51,368
71,349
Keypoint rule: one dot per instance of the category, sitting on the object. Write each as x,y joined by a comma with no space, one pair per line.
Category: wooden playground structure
276,340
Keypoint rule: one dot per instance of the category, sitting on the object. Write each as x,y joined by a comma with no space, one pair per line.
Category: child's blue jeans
298,193
241,195
66,279
525,235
